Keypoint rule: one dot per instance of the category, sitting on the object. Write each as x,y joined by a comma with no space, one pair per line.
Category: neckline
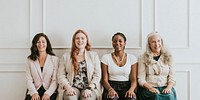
118,60
113,60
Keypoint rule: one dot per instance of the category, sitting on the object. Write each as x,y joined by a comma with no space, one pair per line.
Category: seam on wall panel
22,47
104,47
188,24
189,81
12,71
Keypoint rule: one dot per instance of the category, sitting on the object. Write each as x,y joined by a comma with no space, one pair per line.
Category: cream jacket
156,75
66,72
47,78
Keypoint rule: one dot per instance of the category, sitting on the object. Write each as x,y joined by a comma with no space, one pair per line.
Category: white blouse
117,73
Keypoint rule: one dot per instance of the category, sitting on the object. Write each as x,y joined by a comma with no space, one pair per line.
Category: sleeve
62,74
31,87
53,84
104,59
96,77
141,71
133,59
171,75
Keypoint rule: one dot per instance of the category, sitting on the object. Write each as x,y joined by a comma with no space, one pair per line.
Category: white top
117,73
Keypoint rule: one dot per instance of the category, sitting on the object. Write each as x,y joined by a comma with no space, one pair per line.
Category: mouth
80,43
117,47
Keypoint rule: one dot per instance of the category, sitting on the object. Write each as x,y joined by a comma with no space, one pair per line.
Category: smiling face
155,43
118,43
41,44
80,40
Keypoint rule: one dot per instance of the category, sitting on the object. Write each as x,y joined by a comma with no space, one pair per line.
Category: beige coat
66,72
156,75
35,78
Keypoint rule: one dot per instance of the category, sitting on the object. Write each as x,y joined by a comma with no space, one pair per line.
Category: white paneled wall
178,22
100,18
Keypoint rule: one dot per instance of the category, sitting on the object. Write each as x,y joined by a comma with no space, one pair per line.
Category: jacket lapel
46,64
89,64
37,66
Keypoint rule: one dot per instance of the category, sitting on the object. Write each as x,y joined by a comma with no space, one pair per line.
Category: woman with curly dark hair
41,70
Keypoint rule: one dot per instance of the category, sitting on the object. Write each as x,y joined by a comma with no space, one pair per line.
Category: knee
74,97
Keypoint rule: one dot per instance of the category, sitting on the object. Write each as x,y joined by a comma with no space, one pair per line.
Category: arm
62,74
111,91
105,77
53,84
133,78
171,82
96,76
30,85
141,72
142,76
171,75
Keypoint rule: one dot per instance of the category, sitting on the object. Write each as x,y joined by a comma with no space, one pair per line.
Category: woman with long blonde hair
155,71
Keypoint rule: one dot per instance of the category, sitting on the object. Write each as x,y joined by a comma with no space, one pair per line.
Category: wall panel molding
14,24
60,24
172,20
184,80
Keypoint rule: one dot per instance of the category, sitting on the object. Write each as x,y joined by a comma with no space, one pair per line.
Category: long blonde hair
75,50
148,55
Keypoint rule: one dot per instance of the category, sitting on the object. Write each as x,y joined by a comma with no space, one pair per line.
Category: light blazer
66,72
47,78
158,74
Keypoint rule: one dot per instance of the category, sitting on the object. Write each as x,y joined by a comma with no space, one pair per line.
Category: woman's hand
35,97
130,94
69,91
45,97
154,90
87,93
167,90
112,93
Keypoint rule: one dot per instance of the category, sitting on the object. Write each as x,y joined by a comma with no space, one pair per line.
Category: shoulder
92,52
28,60
66,55
54,57
142,58
131,56
106,55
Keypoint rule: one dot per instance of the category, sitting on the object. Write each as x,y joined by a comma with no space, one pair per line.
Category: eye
82,38
77,38
114,41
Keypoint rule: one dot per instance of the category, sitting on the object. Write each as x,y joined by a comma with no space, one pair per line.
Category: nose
39,43
117,43
157,44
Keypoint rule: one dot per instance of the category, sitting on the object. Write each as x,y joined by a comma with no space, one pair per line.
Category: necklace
118,60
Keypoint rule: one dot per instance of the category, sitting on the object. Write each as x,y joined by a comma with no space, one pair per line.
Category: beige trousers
79,96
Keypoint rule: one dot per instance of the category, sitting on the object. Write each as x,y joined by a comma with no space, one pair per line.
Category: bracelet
110,89
89,88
